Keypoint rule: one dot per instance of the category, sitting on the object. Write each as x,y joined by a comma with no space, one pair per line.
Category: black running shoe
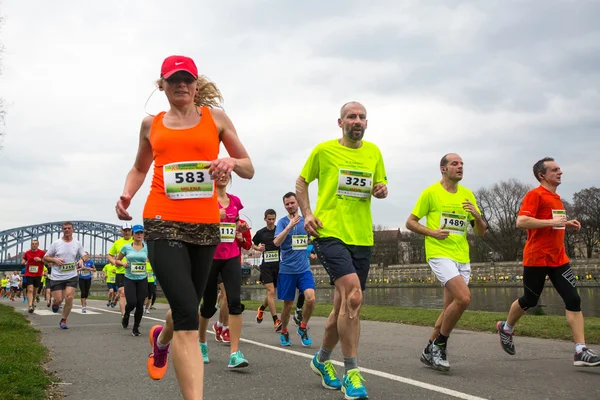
586,358
135,332
30,310
506,339
125,320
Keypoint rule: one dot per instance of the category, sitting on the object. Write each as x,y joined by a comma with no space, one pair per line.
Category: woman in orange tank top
181,214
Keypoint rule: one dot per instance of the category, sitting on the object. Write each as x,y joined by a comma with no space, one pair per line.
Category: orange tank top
199,143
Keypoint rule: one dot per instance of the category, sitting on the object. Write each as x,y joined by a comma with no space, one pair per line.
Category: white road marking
381,374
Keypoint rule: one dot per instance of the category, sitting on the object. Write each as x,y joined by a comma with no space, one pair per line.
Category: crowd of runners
192,236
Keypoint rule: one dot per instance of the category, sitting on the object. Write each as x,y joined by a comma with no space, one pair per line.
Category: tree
386,248
499,206
572,236
586,208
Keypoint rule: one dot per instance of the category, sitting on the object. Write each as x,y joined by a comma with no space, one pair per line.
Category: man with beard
449,209
350,171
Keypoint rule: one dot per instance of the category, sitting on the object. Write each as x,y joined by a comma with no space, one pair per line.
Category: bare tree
412,248
386,249
586,209
499,206
572,237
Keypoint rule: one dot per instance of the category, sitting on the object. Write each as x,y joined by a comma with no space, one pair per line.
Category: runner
151,288
181,220
349,171
310,255
543,214
23,286
85,268
63,253
5,286
110,272
294,270
48,285
15,281
269,267
227,264
449,209
34,264
136,282
112,257
221,327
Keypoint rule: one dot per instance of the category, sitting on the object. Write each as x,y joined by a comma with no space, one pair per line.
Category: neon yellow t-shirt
111,273
150,273
444,210
116,248
44,274
4,283
346,179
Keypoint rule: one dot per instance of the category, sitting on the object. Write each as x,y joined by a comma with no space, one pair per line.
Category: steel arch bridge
96,237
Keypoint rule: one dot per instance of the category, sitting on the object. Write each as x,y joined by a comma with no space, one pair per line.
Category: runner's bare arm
239,162
525,222
311,223
413,225
142,162
119,262
302,196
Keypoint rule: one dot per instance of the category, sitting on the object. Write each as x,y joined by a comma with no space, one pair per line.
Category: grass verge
21,357
539,326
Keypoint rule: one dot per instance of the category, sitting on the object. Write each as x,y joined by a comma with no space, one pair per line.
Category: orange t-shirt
545,247
199,143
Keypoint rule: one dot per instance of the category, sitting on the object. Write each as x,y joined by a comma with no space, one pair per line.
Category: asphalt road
97,359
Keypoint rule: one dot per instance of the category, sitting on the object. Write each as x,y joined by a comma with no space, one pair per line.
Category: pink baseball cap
174,64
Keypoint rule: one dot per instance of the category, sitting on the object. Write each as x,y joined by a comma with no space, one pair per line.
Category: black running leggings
182,269
136,291
300,301
151,292
84,286
231,272
561,277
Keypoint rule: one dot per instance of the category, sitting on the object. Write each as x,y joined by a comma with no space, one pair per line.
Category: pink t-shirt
226,251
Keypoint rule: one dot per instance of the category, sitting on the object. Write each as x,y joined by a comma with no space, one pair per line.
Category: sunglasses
175,79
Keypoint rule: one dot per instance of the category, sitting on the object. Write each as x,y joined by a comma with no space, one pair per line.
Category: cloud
503,84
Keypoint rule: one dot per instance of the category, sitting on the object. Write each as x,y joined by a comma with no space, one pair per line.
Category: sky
502,83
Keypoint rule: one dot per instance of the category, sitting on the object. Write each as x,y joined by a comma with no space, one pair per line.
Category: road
97,359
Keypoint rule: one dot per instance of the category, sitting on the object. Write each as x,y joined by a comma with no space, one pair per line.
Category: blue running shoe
306,340
353,388
237,360
326,370
204,349
54,308
284,339
63,324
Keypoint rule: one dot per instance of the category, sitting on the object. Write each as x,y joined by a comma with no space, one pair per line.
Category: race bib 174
299,242
188,180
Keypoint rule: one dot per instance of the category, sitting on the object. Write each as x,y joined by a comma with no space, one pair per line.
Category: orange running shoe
159,358
277,325
260,315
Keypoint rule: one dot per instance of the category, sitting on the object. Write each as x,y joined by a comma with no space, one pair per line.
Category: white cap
126,225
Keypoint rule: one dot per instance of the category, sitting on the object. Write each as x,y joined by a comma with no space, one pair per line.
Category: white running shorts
446,269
